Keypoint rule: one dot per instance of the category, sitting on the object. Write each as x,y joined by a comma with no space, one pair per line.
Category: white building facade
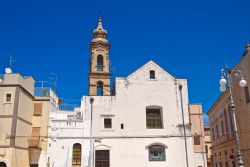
65,139
141,124
138,123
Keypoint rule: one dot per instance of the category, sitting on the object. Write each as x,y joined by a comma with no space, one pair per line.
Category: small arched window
77,154
99,63
99,88
156,153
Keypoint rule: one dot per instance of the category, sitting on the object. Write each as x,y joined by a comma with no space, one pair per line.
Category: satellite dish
8,70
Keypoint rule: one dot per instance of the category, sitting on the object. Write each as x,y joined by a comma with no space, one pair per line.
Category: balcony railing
34,142
99,67
42,92
68,107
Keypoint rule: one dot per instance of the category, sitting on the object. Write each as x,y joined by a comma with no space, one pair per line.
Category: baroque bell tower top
100,34
99,75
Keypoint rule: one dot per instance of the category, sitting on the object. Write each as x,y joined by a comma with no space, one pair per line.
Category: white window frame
110,116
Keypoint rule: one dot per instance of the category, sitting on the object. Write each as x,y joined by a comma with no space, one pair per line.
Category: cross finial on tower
100,13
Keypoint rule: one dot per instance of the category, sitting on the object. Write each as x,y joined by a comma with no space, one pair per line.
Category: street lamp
91,100
227,76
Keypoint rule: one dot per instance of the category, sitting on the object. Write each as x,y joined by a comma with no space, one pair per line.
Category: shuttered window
197,140
102,158
153,118
8,97
38,108
77,154
34,139
247,97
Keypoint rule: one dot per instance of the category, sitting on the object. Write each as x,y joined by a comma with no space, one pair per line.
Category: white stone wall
63,135
133,94
200,159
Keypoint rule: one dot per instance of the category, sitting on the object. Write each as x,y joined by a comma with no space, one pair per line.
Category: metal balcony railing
42,92
99,67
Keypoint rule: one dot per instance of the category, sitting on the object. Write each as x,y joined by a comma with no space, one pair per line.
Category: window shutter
34,140
38,107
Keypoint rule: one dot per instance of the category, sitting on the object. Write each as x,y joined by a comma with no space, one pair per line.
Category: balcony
34,142
99,68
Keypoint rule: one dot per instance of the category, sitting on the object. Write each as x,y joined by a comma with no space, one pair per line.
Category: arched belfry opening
99,75
99,88
99,63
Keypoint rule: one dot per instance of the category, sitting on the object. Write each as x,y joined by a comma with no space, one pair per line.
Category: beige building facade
221,120
198,135
208,145
16,103
23,121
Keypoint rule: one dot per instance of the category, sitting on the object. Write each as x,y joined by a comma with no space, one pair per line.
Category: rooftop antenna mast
8,70
11,60
55,80
42,83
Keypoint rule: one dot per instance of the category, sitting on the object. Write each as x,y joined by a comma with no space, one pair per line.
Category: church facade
137,123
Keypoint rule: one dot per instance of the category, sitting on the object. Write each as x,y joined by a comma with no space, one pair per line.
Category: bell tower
99,75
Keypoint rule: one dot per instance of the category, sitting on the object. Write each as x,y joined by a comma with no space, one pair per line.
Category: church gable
150,71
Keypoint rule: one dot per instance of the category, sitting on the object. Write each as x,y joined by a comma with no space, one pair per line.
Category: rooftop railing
2,76
42,92
68,107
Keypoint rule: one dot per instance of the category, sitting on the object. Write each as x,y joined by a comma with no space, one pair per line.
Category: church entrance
3,164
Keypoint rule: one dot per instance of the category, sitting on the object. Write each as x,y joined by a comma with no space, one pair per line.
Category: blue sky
189,39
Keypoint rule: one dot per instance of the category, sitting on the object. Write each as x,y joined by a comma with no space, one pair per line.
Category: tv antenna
42,83
11,60
8,70
54,78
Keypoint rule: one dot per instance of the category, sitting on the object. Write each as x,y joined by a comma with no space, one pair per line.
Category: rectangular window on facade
217,132
152,74
38,107
156,153
226,123
222,128
231,120
102,158
107,123
247,97
8,97
197,140
213,134
153,118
